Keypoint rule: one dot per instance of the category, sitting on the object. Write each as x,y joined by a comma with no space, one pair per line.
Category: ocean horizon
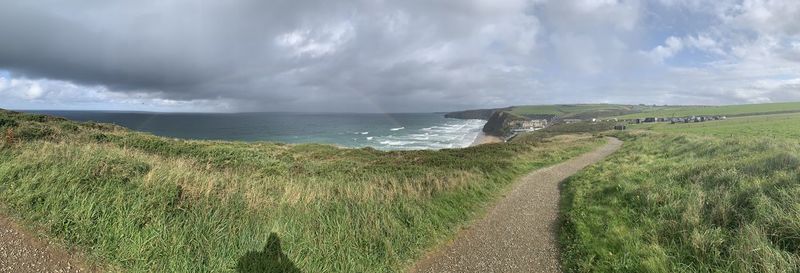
390,131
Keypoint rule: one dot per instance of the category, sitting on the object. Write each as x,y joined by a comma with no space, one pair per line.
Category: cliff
498,123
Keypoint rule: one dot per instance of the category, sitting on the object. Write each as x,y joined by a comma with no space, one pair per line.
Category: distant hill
577,111
484,114
498,119
556,111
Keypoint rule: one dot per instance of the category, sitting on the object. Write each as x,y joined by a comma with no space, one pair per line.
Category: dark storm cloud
374,55
262,54
174,48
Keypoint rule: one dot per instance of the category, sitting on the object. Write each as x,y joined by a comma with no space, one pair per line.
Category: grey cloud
366,55
199,50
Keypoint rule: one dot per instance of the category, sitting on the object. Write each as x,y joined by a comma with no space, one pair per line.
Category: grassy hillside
498,123
138,202
589,111
766,126
484,114
720,196
729,110
580,111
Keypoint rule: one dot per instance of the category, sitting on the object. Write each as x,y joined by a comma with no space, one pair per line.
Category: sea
414,131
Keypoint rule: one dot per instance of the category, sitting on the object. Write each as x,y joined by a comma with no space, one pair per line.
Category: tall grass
679,202
141,203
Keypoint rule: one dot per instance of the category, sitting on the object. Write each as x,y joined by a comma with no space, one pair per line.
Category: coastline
483,138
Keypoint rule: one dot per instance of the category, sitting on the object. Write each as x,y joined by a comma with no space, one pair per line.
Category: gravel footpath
519,234
20,252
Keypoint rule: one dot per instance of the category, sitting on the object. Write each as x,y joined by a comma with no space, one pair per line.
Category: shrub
33,132
7,122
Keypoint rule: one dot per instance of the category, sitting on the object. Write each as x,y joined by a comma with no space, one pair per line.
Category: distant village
518,126
676,120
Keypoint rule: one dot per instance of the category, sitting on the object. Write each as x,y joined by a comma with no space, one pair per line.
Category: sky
394,56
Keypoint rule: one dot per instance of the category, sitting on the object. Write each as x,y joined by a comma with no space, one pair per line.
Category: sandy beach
483,138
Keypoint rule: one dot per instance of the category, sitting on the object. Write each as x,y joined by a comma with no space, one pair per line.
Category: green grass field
576,110
140,203
781,125
729,110
588,111
556,113
720,196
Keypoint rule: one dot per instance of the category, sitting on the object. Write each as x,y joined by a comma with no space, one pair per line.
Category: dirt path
519,233
20,252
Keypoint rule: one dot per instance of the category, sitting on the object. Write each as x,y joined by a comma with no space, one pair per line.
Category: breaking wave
451,134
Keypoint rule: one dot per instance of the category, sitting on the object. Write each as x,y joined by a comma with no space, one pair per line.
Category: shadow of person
270,260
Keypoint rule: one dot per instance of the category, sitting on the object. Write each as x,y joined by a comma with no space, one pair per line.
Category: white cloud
768,16
24,93
316,42
674,45
34,91
704,43
671,46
